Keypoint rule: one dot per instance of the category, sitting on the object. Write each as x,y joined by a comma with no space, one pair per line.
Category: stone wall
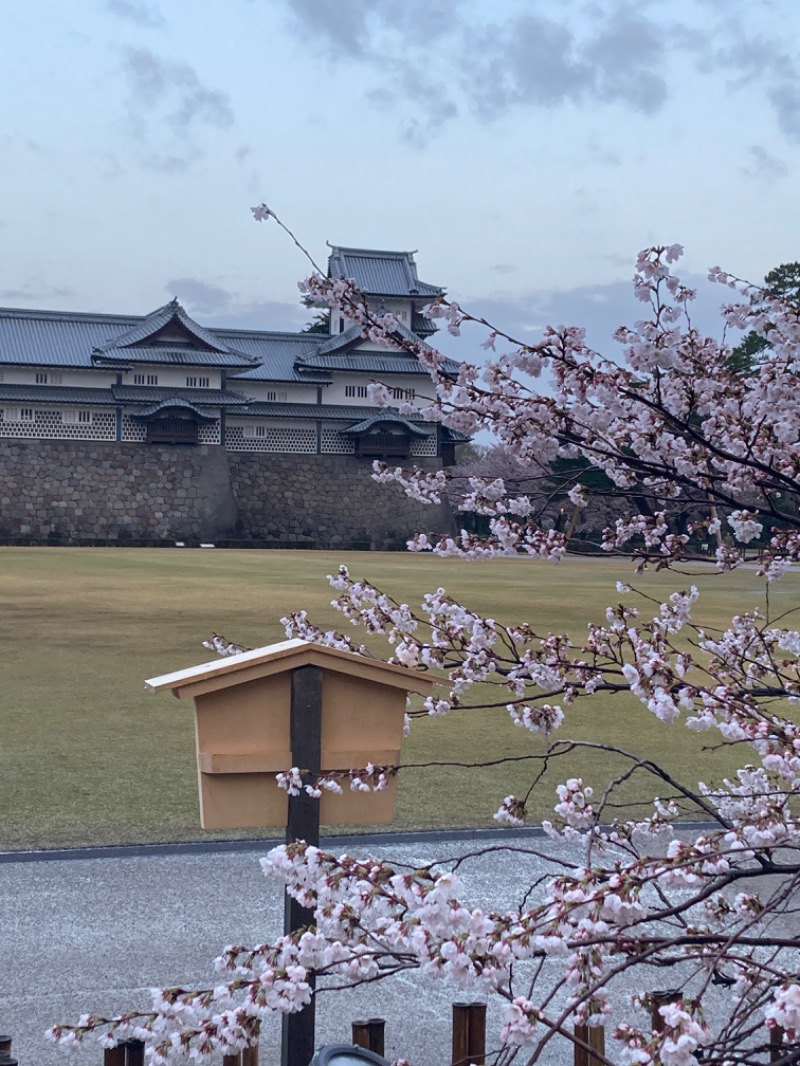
329,499
80,491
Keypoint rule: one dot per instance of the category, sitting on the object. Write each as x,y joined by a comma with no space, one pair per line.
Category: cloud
352,28
624,56
600,309
200,296
220,308
269,315
34,290
785,98
764,166
172,91
171,164
754,57
529,59
138,11
431,60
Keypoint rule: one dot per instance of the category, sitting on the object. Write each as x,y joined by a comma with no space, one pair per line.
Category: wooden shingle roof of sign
281,657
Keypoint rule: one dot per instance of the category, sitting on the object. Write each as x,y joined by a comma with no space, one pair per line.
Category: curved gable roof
379,273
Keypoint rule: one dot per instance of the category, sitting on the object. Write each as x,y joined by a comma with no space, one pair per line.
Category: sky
527,148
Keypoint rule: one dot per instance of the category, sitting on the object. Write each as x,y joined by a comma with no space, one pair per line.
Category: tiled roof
422,326
154,322
170,405
167,355
379,273
277,353
85,341
54,338
325,411
203,397
455,435
81,341
346,339
366,362
395,419
55,394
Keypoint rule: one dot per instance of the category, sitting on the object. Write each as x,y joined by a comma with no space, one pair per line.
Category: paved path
95,934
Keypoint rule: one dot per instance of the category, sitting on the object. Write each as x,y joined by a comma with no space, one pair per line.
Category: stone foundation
83,491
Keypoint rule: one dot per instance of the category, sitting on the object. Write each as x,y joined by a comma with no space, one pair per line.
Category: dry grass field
87,756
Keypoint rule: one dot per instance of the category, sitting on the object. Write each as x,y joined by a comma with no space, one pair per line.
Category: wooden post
660,999
5,1044
369,1034
469,1034
114,1056
305,735
377,1035
777,1050
249,1057
595,1037
134,1053
359,1033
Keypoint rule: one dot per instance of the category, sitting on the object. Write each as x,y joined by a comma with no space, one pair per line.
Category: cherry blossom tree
669,428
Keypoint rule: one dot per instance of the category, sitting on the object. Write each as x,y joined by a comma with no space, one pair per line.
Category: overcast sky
527,148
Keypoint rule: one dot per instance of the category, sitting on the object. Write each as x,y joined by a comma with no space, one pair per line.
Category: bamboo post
469,1034
589,1045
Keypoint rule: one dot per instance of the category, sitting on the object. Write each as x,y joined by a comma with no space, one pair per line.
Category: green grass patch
87,756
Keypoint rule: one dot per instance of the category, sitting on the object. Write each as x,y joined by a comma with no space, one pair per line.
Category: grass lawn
87,756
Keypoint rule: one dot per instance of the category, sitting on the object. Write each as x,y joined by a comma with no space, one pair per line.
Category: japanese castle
166,379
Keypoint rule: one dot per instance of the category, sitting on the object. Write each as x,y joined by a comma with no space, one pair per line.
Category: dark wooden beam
305,735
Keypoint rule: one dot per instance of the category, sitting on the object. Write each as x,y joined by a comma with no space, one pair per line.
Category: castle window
73,416
41,378
403,394
277,397
198,383
145,379
26,414
363,391
349,390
